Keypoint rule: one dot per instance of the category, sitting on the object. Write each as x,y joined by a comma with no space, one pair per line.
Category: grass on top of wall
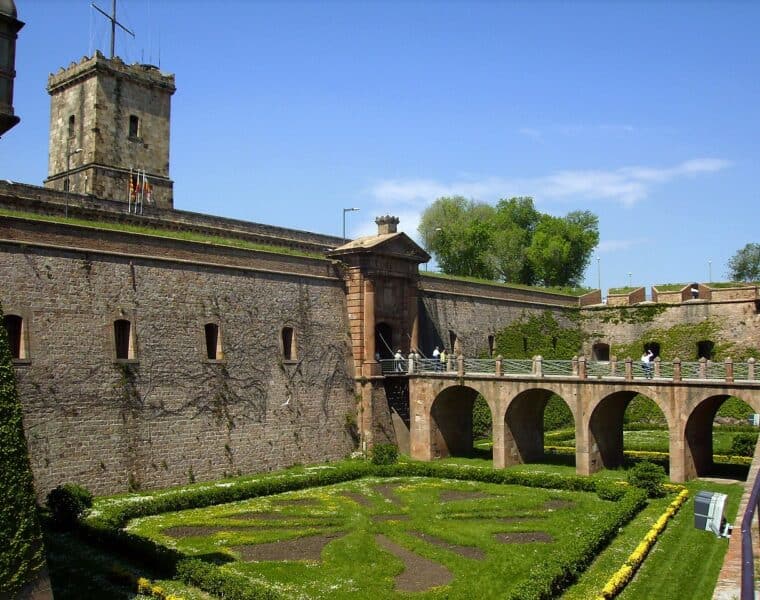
564,291
188,236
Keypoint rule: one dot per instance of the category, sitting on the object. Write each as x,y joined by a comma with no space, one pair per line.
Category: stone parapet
39,200
495,291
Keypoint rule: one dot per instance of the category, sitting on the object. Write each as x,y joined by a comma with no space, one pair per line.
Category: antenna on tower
114,23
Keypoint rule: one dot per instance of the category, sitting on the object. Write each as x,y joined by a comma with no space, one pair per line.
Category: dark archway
451,422
524,427
384,341
600,351
699,434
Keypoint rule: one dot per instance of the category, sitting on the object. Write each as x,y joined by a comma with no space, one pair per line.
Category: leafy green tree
459,231
745,264
512,242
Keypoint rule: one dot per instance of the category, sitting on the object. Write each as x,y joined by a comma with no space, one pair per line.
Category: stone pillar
497,366
460,365
575,366
751,369
703,368
582,372
676,369
657,362
538,366
729,370
613,365
628,369
371,366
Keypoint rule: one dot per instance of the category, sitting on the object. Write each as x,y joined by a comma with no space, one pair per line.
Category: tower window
16,334
72,125
288,343
125,348
213,342
134,126
491,342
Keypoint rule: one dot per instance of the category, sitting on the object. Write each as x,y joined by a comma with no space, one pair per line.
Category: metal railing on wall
748,559
578,367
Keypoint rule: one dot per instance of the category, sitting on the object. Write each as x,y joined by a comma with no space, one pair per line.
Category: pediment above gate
388,243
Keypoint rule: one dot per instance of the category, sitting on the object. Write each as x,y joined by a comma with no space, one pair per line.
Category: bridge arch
451,421
603,427
523,427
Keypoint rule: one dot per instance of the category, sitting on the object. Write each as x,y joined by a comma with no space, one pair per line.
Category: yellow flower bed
624,574
144,586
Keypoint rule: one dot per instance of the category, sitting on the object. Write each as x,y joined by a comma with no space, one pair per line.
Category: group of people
441,358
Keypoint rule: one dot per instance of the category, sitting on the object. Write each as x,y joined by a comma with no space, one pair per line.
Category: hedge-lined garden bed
560,561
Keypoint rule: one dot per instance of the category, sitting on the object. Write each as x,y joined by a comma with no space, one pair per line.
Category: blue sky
646,114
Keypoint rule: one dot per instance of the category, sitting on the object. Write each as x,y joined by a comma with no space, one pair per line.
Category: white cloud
626,185
606,246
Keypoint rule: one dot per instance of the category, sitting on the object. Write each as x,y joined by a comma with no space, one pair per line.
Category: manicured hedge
545,581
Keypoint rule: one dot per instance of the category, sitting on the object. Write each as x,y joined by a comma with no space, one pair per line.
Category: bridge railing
748,559
628,369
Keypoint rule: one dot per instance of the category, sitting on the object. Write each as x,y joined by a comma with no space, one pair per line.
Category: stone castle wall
737,323
172,415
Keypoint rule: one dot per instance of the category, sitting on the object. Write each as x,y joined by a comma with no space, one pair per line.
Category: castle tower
109,120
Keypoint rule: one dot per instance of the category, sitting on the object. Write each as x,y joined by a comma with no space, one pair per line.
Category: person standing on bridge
437,359
444,360
399,358
646,363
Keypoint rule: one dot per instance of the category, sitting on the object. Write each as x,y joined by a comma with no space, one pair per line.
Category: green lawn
465,514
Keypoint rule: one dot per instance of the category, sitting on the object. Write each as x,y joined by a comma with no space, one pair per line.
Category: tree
745,264
512,242
458,232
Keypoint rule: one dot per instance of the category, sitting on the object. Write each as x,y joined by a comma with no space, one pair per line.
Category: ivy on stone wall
680,341
21,550
632,315
540,334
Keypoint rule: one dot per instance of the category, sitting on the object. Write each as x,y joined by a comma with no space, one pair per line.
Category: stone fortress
144,360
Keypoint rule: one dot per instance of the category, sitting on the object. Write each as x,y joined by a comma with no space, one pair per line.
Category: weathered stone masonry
172,415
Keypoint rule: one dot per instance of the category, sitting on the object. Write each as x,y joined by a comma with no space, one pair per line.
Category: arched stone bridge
689,394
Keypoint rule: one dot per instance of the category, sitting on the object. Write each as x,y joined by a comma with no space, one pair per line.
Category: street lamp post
599,273
345,210
67,181
709,271
630,284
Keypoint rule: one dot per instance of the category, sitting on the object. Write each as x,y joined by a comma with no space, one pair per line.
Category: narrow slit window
525,344
491,343
134,126
15,327
453,343
288,343
213,342
122,330
72,125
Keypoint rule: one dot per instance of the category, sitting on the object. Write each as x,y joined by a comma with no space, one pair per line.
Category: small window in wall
122,331
525,344
491,343
288,343
134,126
16,334
705,349
601,351
72,125
757,307
213,342
554,342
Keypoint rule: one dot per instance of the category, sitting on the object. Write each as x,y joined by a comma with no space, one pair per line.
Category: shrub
67,502
649,477
481,418
384,454
609,490
557,414
744,444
